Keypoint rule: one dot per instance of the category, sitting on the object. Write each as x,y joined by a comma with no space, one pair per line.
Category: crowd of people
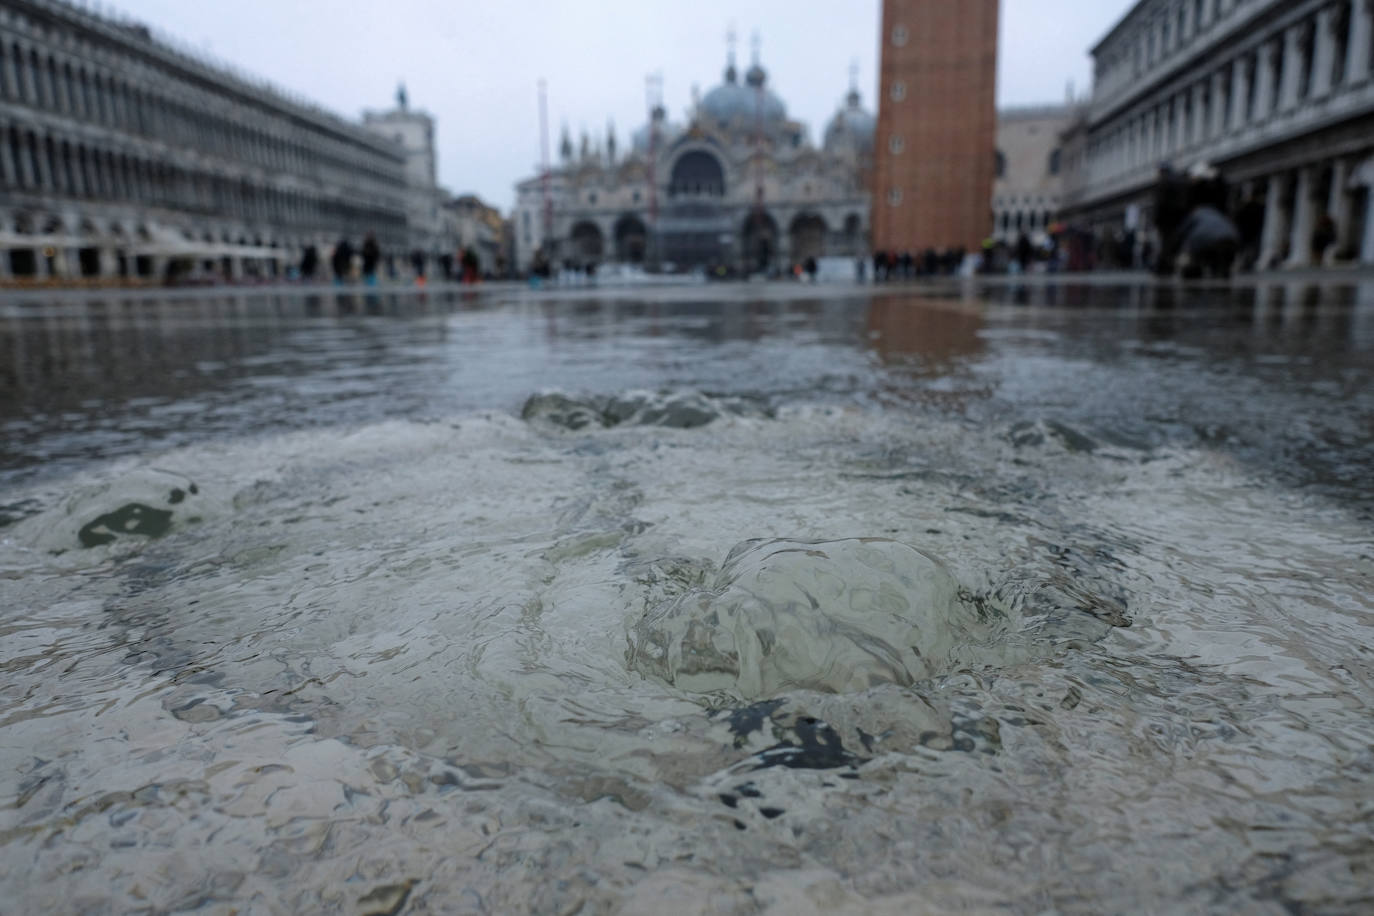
367,263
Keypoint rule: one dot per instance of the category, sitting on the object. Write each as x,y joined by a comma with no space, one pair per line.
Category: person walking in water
342,261
371,255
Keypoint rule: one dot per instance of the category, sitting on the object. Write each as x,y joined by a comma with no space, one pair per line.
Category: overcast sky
475,65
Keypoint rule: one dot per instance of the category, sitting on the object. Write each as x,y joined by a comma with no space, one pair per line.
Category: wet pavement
729,599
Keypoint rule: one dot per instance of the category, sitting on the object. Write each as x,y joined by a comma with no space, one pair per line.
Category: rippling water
752,599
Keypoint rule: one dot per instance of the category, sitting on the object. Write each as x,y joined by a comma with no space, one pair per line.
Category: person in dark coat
310,262
372,253
342,261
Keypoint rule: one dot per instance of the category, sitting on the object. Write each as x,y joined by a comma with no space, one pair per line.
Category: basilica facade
737,187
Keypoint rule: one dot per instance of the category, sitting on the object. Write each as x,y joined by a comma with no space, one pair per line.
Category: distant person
310,262
1025,253
342,261
372,254
812,268
860,263
1209,241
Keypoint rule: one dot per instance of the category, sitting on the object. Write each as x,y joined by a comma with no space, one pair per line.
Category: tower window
896,144
898,91
900,36
894,197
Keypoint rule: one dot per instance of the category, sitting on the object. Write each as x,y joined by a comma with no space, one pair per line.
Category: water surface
739,599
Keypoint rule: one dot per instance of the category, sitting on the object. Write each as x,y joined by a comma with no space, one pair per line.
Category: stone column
1323,53
1304,220
1361,21
41,166
1179,135
1292,68
1240,88
109,262
1217,129
9,169
1202,114
1338,204
1273,230
1264,81
1367,247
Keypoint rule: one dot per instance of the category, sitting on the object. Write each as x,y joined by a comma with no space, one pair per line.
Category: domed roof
639,140
733,102
851,125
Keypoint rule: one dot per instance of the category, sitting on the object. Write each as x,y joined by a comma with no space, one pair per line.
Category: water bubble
836,617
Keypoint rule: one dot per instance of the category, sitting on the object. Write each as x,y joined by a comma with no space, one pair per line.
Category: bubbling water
830,616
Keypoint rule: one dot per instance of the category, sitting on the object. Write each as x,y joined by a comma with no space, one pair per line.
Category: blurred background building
473,226
1029,187
413,132
736,187
1276,95
937,122
121,156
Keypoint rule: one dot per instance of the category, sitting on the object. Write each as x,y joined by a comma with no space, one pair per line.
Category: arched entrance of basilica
759,242
588,247
807,237
631,239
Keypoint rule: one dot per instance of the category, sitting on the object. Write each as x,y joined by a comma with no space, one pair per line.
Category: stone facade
937,122
1028,192
123,156
469,224
413,132
1277,95
738,187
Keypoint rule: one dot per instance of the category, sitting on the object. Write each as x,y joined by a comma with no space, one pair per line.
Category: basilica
736,188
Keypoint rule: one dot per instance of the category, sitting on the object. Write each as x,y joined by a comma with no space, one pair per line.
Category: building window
894,197
896,144
591,198
898,91
1056,161
1001,166
900,36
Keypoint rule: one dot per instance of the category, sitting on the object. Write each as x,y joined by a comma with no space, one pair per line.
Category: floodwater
731,600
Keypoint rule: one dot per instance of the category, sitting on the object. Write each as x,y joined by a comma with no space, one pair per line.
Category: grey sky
475,65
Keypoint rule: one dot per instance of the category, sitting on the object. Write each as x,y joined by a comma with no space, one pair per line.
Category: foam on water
493,665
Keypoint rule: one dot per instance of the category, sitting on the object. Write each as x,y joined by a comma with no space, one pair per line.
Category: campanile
935,152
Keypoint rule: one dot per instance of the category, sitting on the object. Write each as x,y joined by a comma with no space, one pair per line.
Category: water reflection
929,334
107,374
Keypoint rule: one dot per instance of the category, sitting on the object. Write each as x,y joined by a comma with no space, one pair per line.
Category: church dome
667,131
732,102
851,126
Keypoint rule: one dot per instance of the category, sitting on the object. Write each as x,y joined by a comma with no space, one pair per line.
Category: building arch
588,245
759,241
631,239
806,236
697,173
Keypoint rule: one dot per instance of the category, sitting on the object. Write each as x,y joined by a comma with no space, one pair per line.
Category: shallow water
751,599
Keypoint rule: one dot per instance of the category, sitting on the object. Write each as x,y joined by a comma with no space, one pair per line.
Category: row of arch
1010,223
87,94
808,233
47,164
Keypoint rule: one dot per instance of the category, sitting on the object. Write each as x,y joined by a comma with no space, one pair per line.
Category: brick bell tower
935,152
